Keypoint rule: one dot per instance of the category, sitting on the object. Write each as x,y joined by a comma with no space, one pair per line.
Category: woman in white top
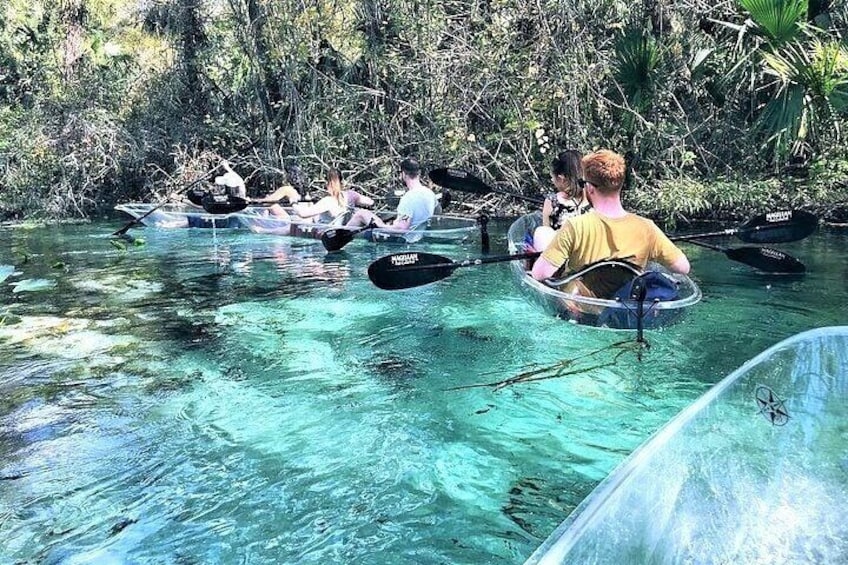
335,206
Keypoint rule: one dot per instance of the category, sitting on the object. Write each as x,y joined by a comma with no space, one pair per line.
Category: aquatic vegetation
119,287
32,285
8,319
66,338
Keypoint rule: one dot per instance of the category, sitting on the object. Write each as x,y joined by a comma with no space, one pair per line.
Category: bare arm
283,192
316,209
680,265
543,269
547,209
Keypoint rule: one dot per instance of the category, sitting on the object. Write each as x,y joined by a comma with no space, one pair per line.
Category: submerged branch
559,369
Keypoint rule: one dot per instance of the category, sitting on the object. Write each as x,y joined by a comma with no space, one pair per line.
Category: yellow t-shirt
593,237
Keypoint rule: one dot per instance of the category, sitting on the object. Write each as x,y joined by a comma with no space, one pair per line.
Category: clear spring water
250,399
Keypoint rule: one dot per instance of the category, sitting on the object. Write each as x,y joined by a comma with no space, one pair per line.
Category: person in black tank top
568,201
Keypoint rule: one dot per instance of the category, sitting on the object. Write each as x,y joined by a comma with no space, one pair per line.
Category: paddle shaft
719,233
135,221
472,262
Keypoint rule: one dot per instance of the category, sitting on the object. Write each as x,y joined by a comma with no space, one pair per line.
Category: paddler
416,206
607,231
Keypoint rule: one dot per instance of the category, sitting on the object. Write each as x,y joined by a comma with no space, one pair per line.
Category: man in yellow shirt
607,231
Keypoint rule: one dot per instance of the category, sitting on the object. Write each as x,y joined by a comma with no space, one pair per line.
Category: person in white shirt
416,206
232,181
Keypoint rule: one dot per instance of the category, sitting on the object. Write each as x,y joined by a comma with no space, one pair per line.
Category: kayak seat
650,287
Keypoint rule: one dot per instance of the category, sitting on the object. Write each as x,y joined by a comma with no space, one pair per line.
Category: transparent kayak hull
590,311
755,471
178,216
442,228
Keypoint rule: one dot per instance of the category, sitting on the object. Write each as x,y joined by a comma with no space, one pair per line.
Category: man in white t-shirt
232,182
416,206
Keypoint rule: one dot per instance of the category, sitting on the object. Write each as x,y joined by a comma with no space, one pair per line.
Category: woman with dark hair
569,199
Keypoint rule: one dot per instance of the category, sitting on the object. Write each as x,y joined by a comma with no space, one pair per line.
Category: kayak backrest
608,277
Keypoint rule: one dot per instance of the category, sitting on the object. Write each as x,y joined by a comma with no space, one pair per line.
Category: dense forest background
721,108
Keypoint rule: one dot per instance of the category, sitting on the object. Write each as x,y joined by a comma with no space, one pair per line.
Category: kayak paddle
135,221
410,269
334,239
763,259
463,181
772,227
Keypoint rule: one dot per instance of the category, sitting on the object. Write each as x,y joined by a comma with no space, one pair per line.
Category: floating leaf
6,271
118,244
32,285
138,242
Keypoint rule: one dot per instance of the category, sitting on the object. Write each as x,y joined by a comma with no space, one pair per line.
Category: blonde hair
605,169
334,186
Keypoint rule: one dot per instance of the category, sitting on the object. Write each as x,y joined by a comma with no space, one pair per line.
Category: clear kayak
440,228
177,215
590,311
755,471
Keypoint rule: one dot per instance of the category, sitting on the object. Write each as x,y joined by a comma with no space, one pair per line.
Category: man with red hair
607,231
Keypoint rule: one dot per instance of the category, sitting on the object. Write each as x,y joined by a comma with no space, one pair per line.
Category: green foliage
813,89
637,57
779,20
683,199
107,99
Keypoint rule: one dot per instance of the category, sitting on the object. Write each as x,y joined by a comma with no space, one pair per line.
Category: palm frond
637,57
780,20
813,89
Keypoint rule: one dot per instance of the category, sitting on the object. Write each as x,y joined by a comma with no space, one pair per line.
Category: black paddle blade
223,204
460,180
767,260
778,227
336,238
195,196
408,270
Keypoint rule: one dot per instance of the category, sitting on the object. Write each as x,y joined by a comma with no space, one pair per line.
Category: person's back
418,204
232,182
337,207
592,237
608,231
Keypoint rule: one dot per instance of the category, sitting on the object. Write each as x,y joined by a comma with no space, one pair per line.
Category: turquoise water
251,399
752,472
